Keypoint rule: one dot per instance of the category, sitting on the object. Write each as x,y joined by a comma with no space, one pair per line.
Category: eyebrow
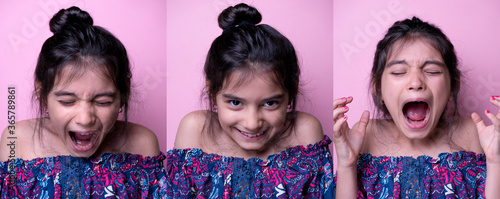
425,63
66,93
277,96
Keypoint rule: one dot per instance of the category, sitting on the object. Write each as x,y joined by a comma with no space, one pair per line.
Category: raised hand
348,142
489,136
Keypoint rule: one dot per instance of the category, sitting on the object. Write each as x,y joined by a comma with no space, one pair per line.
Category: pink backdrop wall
472,26
140,25
192,26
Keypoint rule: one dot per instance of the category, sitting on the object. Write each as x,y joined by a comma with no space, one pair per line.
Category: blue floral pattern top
110,176
298,172
451,175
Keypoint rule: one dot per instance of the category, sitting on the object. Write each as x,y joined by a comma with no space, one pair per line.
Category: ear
38,87
207,85
207,89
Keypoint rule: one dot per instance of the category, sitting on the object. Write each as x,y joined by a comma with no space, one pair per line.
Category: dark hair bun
71,17
234,15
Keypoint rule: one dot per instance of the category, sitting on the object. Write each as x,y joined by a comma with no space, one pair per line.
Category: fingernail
493,97
488,111
349,97
345,107
345,117
343,98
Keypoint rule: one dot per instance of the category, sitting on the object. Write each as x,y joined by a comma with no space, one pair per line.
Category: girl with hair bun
419,146
77,147
251,143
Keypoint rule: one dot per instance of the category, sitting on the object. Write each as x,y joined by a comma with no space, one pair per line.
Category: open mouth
83,141
251,135
416,114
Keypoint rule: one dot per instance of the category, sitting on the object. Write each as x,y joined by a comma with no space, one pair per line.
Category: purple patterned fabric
451,175
110,176
298,172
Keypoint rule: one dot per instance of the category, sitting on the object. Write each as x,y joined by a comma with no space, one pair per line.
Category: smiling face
83,110
415,87
251,113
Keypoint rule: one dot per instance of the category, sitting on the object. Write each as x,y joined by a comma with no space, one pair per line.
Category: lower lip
84,148
244,136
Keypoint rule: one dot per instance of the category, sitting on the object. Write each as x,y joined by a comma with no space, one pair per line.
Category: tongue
83,137
416,111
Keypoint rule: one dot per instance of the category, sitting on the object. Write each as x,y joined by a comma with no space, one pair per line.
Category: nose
253,120
85,115
416,81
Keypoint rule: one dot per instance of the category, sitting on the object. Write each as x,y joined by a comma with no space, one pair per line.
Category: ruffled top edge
312,149
122,158
458,156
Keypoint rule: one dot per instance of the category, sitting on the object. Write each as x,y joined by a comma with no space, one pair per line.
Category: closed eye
434,72
103,103
66,103
398,73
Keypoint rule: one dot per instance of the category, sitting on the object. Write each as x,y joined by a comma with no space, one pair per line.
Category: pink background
472,27
139,25
192,26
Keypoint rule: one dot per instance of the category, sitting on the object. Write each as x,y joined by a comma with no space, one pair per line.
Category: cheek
226,117
108,115
276,118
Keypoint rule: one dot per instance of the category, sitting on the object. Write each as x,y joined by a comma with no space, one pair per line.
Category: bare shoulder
376,131
17,139
466,135
141,140
190,130
308,129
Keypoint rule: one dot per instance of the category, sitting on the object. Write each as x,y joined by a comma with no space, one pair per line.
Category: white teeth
84,133
252,135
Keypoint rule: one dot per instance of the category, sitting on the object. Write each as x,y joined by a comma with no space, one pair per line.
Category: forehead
82,73
414,50
239,79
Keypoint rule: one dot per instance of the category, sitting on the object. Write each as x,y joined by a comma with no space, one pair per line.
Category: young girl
77,148
252,143
420,148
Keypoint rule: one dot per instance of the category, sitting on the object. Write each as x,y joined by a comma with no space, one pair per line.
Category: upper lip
83,132
416,100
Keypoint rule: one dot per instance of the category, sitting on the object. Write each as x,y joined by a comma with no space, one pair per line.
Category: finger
340,102
338,126
478,121
363,122
492,117
495,100
339,112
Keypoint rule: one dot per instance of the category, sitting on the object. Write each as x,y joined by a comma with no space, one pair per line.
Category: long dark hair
247,46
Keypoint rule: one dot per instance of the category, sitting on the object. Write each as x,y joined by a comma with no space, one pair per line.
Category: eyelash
434,72
398,73
103,103
66,103
69,103
274,103
232,102
267,104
